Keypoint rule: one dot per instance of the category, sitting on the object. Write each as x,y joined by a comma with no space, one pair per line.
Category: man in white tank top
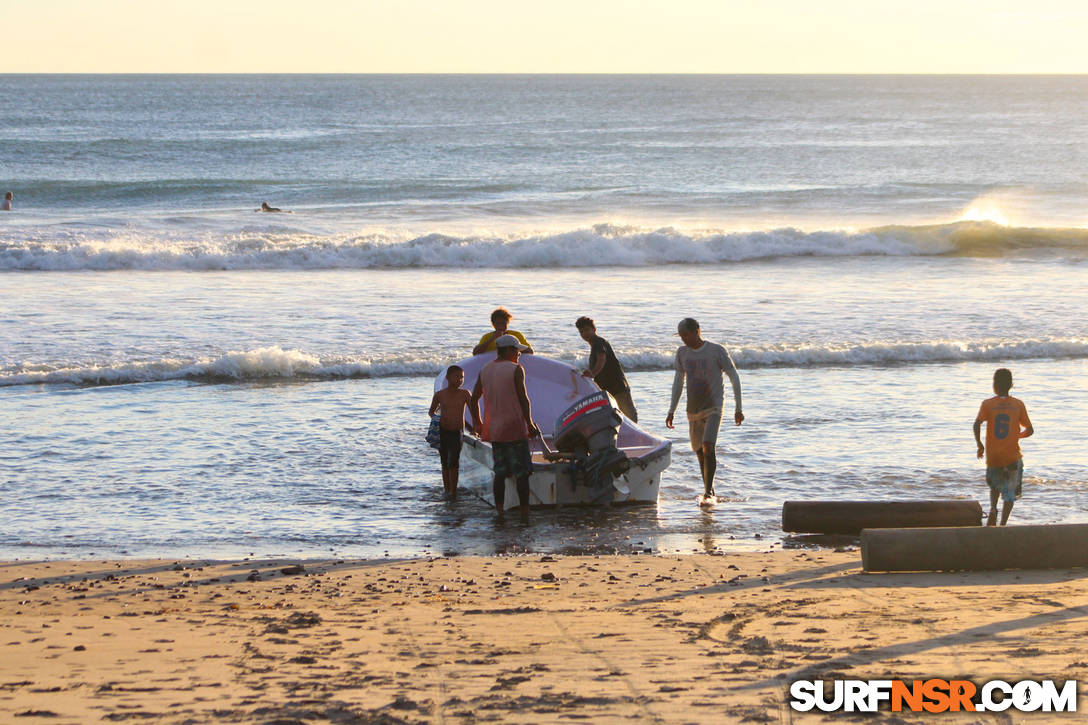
508,421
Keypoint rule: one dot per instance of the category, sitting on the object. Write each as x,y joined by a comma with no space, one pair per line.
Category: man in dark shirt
605,369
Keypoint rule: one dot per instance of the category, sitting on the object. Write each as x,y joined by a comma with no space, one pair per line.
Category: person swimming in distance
266,207
6,204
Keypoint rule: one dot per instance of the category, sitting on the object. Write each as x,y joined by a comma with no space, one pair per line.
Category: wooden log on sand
974,548
850,517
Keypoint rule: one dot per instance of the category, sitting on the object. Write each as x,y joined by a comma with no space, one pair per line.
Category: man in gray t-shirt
703,363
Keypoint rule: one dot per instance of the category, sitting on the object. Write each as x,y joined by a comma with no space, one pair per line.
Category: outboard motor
586,431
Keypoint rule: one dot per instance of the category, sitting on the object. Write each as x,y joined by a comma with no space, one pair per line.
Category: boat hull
552,484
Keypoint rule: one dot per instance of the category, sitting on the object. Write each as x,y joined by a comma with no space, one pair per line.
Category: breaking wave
274,363
600,245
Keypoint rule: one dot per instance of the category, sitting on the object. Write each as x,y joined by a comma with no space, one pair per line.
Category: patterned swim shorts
1006,480
512,458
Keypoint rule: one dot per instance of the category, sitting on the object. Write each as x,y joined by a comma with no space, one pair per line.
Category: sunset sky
558,36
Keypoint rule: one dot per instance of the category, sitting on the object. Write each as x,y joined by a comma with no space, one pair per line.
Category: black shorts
449,448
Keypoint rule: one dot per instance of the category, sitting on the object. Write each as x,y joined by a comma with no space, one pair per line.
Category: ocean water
182,376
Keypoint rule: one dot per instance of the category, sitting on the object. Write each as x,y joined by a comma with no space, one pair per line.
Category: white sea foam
601,245
876,353
257,364
270,363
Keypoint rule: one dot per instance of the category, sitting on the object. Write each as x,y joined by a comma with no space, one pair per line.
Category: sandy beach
670,639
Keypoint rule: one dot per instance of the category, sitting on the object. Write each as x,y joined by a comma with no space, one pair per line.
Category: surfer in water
266,207
702,364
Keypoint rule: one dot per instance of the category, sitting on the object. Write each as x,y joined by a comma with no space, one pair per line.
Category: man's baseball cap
510,341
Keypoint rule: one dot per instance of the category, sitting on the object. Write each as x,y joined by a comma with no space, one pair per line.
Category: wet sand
610,639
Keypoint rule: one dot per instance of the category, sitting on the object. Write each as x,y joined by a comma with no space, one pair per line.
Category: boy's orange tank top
1004,417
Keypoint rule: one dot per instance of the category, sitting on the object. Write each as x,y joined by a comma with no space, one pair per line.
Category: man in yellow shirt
500,319
1007,422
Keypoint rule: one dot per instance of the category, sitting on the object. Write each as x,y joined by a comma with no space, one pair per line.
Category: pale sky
544,36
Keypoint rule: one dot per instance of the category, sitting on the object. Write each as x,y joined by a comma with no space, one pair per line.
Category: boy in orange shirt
1007,422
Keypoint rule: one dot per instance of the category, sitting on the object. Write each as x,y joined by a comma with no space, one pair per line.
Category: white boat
553,386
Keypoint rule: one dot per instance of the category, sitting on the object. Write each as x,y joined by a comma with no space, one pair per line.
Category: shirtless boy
452,400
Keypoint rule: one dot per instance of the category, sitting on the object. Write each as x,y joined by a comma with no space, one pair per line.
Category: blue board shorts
512,458
1006,480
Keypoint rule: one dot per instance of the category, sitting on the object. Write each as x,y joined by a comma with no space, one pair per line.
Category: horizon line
544,73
